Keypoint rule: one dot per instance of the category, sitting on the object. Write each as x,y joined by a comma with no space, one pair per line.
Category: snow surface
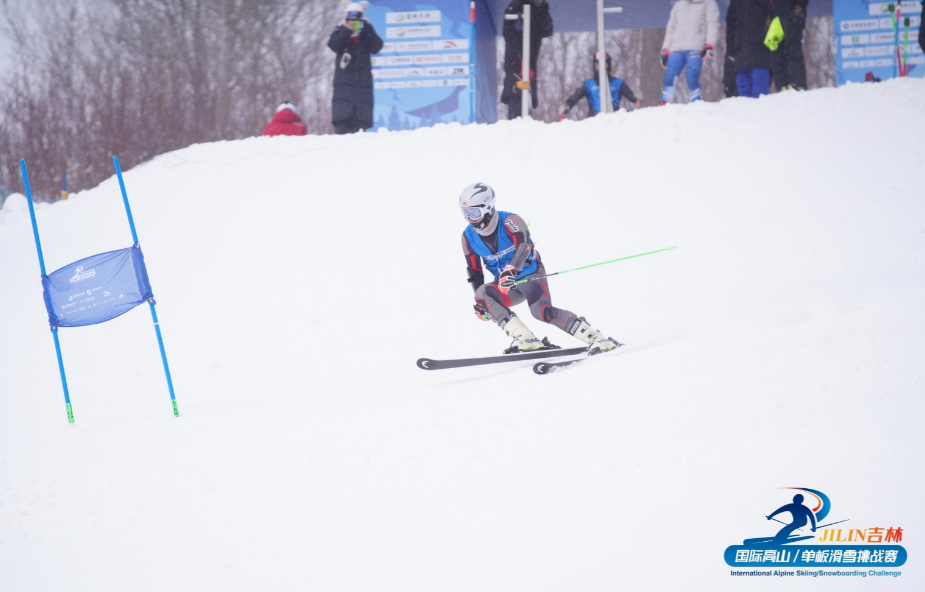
298,280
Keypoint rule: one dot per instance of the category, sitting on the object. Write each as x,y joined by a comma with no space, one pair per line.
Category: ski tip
423,363
541,367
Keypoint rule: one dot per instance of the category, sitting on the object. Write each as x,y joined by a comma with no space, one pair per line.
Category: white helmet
477,202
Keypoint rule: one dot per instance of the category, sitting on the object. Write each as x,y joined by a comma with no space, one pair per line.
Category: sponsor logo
399,60
852,52
407,46
858,39
424,363
455,58
804,542
413,32
886,7
418,16
497,256
80,274
451,44
879,50
510,224
862,25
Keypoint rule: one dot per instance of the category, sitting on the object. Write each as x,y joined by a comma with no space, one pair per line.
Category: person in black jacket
747,24
353,42
540,28
788,65
922,26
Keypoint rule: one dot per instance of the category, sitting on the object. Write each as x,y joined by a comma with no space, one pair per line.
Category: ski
546,367
428,364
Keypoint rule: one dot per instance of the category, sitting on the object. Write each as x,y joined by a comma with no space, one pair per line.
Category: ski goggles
354,15
472,213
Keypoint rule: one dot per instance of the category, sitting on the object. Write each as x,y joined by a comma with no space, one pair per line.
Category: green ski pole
525,280
906,50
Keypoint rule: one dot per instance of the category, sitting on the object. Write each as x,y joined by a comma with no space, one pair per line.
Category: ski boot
597,343
524,339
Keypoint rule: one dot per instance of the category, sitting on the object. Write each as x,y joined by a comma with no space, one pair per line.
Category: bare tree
141,77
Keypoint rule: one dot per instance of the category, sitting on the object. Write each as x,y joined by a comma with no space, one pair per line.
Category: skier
799,513
591,90
692,31
502,240
353,42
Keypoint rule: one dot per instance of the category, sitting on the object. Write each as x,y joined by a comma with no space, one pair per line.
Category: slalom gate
96,289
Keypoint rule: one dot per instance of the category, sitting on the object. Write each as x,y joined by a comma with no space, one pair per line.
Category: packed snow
299,278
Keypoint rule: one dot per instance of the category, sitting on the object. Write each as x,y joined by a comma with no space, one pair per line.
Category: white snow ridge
299,278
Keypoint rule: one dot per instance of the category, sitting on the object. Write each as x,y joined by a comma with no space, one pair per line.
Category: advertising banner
876,40
425,72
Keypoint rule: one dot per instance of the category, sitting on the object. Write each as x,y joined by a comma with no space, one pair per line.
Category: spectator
286,122
353,42
922,26
540,28
787,63
591,90
693,30
729,78
747,24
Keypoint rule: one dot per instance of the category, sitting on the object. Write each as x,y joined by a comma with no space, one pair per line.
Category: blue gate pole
157,327
472,81
54,330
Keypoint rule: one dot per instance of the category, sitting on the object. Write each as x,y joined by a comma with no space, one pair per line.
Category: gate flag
97,289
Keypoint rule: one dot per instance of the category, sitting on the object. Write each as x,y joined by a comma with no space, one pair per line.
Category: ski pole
906,50
776,520
525,280
831,523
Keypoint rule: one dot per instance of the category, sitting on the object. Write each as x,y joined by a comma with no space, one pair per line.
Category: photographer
353,42
540,28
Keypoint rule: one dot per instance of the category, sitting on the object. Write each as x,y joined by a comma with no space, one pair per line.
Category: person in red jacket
286,122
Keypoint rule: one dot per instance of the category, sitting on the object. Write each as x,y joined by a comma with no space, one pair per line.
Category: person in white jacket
693,30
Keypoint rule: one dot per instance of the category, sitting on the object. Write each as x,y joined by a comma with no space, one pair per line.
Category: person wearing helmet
353,42
502,241
692,31
286,122
591,90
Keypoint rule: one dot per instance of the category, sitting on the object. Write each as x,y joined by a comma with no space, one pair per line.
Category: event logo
809,540
80,274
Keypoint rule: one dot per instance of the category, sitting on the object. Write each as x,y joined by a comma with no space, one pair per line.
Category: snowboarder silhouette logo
799,513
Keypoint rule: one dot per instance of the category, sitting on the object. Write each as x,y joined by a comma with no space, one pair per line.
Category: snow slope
298,280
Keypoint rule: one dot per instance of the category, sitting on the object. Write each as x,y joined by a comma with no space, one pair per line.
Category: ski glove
481,313
507,280
665,59
707,53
